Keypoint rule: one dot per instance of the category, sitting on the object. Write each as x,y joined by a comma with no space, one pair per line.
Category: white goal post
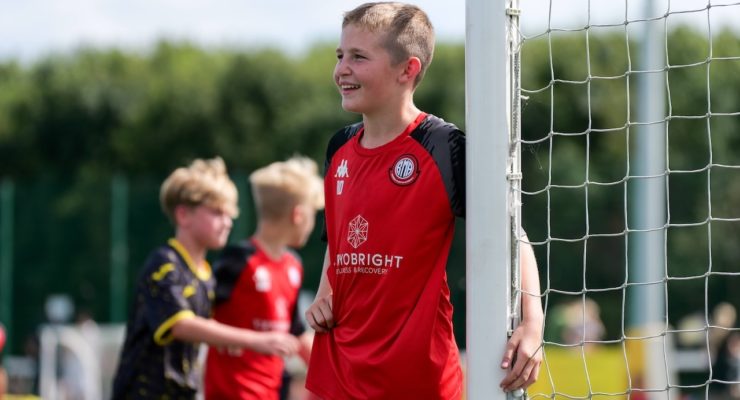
491,202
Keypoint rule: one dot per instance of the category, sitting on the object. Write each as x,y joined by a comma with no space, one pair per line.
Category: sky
30,29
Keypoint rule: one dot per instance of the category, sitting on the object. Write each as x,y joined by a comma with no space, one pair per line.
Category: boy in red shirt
258,280
394,184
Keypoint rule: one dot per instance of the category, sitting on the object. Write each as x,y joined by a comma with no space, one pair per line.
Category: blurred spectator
576,322
72,383
722,320
692,331
725,353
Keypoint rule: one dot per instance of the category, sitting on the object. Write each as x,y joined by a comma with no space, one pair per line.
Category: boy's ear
296,214
180,214
411,70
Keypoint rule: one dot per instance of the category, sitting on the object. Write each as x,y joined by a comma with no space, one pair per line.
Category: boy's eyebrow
351,50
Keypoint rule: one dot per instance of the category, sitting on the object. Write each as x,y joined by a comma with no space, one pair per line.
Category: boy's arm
319,315
305,343
198,329
324,285
523,347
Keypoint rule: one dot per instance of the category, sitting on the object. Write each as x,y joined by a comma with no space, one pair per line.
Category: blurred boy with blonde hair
394,184
258,280
172,306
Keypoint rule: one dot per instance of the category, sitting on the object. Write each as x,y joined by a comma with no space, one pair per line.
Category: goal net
630,158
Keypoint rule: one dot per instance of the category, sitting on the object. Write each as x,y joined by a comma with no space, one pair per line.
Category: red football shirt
255,292
389,222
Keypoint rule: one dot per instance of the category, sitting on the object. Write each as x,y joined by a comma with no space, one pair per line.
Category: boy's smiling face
364,73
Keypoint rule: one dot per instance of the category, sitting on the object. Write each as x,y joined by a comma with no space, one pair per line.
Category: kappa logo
342,170
357,234
405,170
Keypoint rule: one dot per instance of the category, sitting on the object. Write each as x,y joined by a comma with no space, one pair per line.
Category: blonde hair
407,30
203,182
282,185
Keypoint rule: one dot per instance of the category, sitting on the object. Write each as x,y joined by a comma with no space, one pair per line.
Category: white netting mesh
635,219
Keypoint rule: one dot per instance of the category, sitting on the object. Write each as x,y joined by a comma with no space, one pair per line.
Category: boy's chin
217,244
349,107
297,244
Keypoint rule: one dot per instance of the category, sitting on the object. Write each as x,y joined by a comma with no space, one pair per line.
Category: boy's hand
524,348
319,315
276,343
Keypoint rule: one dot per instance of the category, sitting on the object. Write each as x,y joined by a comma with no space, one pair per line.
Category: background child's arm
524,346
304,347
211,332
319,315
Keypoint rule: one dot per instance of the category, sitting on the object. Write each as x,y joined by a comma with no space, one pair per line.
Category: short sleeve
165,301
446,144
339,139
457,163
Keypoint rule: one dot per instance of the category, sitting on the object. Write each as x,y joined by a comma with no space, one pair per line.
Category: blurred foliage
69,123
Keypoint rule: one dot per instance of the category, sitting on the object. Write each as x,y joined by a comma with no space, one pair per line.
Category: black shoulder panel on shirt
338,140
446,144
229,266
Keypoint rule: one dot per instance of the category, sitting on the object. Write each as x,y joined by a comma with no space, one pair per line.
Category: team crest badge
405,170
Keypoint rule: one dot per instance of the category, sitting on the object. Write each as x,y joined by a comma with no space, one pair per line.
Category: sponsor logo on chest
359,262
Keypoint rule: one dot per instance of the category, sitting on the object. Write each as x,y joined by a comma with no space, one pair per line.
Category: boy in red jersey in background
258,280
394,184
171,312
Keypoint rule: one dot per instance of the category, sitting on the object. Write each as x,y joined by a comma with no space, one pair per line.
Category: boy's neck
381,129
271,240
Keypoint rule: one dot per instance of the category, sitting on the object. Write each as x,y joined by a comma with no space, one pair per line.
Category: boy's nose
341,68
